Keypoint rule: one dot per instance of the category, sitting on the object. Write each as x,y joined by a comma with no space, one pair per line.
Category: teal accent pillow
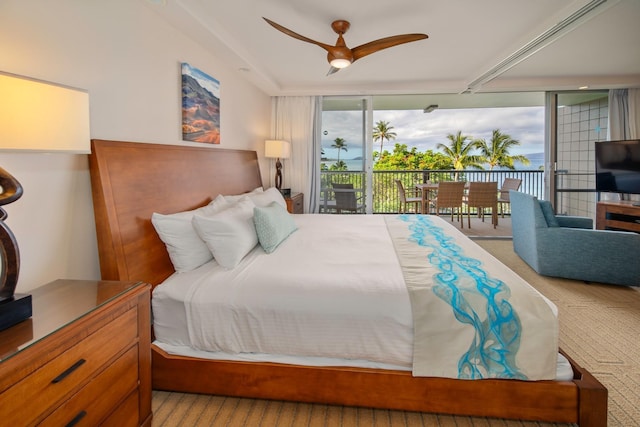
273,225
549,214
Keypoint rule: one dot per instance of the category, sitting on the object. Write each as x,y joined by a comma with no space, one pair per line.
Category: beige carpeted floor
599,328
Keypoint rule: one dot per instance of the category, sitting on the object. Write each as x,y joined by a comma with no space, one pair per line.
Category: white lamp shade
276,148
43,116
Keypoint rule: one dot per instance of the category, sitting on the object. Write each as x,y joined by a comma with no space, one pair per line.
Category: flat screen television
618,166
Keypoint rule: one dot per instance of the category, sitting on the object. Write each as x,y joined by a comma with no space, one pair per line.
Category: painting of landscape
200,106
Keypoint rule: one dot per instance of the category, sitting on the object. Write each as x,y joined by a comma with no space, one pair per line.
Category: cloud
424,131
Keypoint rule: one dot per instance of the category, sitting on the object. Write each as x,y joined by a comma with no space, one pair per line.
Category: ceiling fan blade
295,35
332,70
387,42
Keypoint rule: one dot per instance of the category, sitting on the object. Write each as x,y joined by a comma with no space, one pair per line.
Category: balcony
385,193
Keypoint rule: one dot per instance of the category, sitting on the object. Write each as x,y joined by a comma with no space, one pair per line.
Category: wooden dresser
84,358
295,203
618,215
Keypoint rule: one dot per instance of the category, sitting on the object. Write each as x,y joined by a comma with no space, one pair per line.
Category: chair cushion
549,215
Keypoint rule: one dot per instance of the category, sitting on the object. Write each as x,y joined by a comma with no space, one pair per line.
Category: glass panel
345,155
581,120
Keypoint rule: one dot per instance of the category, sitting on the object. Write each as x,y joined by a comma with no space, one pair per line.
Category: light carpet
599,329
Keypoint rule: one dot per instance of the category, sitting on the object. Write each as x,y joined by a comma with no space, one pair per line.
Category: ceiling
468,40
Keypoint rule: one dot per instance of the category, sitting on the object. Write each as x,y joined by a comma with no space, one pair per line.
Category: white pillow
233,198
186,249
267,197
273,225
230,233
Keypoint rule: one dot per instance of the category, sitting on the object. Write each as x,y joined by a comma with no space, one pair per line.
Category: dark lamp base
286,192
15,310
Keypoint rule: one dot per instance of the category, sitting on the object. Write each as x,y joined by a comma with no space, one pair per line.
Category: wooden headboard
131,180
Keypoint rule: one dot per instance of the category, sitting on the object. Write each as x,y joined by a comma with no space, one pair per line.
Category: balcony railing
385,192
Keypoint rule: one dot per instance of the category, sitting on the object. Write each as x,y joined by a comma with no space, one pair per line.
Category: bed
132,181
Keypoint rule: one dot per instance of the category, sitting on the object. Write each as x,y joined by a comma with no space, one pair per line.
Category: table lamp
277,149
42,117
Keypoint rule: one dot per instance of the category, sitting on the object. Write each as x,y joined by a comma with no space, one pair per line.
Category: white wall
129,61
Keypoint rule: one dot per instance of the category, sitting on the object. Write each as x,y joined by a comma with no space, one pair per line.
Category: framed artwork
200,106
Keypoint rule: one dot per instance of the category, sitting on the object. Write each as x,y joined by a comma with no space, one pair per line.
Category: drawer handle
68,371
76,419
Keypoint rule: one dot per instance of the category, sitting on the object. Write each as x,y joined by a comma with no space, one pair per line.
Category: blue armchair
569,247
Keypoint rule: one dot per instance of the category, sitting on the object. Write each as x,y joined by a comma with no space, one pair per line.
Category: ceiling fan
340,56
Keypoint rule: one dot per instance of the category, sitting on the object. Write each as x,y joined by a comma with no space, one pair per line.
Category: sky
425,130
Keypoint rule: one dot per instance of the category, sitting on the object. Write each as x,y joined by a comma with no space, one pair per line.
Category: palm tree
382,131
497,153
340,144
340,165
460,151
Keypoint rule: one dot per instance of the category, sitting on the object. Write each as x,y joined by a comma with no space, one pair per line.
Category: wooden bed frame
132,180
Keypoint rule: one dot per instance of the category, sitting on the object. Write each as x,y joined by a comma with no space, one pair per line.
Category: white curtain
624,114
624,118
634,113
293,120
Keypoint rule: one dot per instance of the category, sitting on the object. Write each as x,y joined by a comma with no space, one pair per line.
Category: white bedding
282,303
286,307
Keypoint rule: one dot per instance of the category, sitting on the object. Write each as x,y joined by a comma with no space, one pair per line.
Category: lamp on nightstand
277,149
42,117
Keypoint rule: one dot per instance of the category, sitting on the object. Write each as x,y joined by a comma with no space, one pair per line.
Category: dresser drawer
126,415
28,400
295,203
97,400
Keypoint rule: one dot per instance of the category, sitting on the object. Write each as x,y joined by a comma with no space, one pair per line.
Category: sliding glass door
346,159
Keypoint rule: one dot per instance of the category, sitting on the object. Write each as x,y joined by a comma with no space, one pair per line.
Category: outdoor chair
483,195
346,199
507,184
450,195
414,198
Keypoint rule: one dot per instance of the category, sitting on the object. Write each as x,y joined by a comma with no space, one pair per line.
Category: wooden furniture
83,357
131,180
295,203
483,195
427,191
412,199
450,196
507,184
621,215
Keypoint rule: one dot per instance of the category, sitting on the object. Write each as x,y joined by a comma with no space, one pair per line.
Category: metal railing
385,192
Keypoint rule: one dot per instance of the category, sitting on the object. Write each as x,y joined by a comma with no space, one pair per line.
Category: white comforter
334,289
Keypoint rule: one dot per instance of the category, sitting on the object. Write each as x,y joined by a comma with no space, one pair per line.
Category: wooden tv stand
621,215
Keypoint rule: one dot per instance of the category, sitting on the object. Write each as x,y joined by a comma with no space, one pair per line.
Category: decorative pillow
549,215
273,225
186,249
230,233
233,198
266,197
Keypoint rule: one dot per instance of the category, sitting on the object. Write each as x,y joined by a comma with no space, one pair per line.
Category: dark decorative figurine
18,308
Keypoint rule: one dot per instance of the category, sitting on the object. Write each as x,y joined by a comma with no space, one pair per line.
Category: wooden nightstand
83,357
295,203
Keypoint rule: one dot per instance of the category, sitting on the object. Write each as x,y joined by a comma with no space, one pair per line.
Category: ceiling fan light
340,63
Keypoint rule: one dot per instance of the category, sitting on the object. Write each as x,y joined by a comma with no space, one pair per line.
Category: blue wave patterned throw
479,332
